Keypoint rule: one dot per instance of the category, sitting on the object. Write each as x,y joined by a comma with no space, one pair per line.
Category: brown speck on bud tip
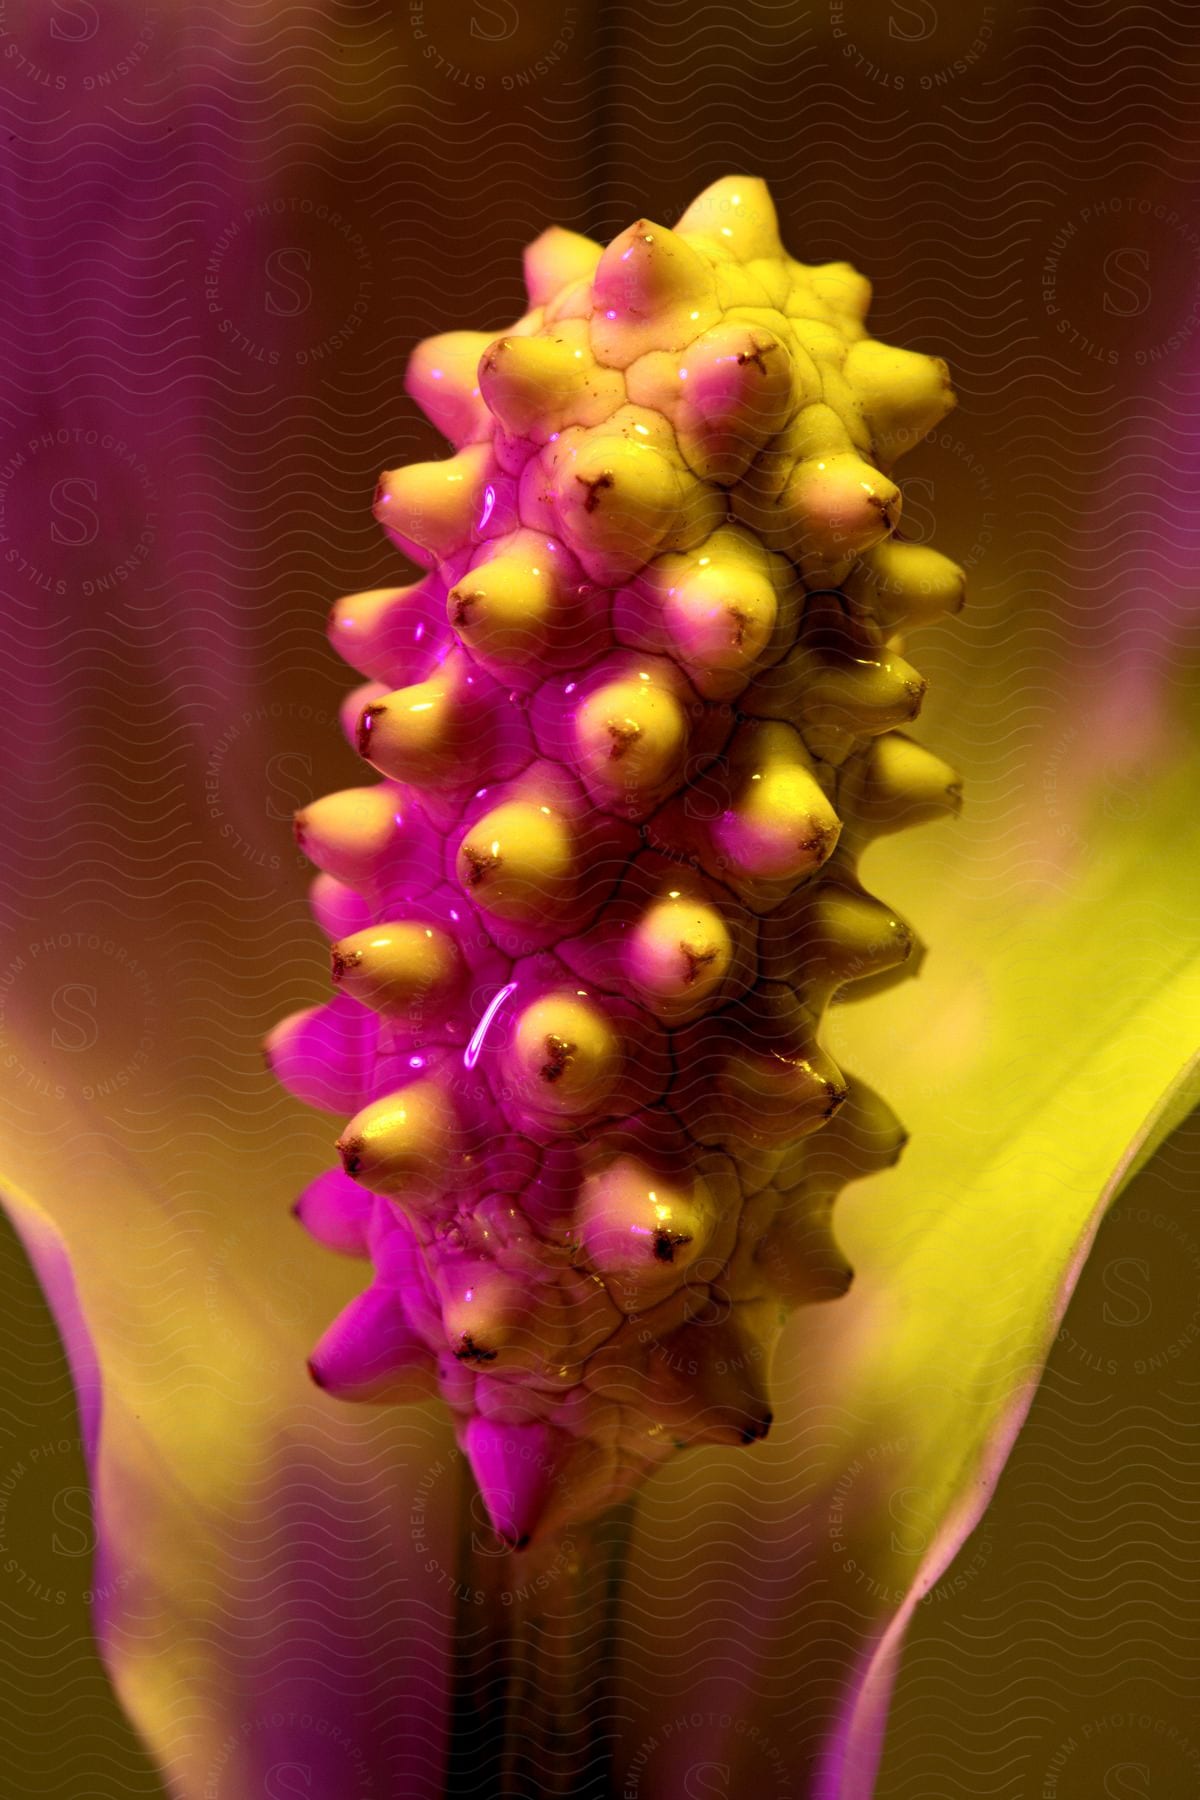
299,826
755,1433
667,1242
480,864
906,941
492,355
366,724
315,1375
523,1542
460,606
819,844
695,960
623,734
594,489
558,1057
341,961
351,1151
837,1098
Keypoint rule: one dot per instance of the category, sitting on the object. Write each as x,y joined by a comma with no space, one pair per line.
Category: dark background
225,227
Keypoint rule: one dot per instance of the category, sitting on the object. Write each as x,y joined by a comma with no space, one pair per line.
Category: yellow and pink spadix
633,728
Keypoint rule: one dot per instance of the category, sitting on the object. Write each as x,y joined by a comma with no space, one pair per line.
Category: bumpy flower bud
635,725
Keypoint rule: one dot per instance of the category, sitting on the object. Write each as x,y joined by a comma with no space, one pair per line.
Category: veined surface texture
632,728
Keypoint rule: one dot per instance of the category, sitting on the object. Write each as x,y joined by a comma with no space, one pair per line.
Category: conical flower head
633,728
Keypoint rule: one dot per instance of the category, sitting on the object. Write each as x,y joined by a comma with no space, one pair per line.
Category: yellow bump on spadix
843,289
864,695
555,260
518,861
775,1093
837,506
900,783
735,392
402,1146
431,733
631,739
430,509
907,585
635,1224
511,610
651,291
398,968
565,1056
486,1313
618,500
830,933
678,956
903,394
737,214
347,834
720,613
781,824
537,385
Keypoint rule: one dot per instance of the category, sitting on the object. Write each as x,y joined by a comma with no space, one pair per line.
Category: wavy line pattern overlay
226,223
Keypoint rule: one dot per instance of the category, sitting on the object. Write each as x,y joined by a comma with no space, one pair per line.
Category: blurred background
225,225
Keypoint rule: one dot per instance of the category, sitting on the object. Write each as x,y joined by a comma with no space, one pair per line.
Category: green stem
534,1710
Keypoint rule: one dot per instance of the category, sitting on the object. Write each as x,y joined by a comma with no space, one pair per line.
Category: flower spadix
633,727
